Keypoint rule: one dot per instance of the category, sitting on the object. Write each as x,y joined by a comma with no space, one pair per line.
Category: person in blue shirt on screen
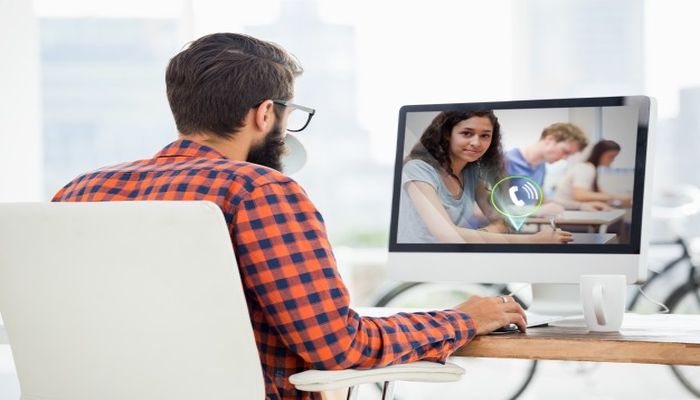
448,174
557,142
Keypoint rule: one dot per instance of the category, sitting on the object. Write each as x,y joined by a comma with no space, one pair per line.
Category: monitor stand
556,299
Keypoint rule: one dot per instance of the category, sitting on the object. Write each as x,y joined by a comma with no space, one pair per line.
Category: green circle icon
517,196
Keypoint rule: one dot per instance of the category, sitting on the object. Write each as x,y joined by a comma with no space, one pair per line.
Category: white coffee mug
603,299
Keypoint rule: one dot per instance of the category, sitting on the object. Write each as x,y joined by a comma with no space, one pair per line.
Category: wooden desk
601,219
647,339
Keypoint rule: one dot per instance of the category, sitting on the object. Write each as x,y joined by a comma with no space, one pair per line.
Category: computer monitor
452,233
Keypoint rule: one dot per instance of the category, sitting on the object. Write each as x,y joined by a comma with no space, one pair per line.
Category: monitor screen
545,176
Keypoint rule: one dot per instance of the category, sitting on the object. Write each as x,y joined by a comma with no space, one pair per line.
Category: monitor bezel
633,247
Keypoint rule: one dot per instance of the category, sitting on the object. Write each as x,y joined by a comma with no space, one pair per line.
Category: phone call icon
524,198
531,194
511,192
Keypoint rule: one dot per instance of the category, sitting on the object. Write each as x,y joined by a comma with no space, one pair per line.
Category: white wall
20,118
523,127
620,125
416,122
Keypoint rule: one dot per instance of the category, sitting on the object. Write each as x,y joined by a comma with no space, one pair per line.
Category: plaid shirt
298,304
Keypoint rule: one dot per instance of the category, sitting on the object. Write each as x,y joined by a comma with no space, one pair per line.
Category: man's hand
491,313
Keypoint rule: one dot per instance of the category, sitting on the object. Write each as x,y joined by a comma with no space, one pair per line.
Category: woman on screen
448,174
581,182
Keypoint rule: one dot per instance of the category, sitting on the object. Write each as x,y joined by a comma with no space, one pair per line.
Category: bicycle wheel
485,378
686,300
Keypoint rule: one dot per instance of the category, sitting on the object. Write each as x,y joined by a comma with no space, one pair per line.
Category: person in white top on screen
580,183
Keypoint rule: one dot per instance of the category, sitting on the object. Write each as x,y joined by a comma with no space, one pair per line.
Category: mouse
510,328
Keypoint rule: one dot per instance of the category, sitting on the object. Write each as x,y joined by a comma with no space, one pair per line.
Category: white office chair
138,300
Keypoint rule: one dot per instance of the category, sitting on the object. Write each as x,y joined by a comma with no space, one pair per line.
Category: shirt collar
188,148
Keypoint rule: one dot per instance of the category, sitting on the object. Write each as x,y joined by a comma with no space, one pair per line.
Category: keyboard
534,319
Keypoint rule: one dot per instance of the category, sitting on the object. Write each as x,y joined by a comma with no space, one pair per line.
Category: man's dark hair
213,83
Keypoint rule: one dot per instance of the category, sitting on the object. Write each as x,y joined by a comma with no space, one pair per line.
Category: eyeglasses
298,117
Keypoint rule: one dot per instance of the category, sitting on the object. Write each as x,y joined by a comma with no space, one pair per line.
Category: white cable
641,291
665,309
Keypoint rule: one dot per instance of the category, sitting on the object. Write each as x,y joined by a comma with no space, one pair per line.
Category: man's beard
269,153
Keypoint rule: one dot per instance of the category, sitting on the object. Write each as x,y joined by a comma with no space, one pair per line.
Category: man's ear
264,116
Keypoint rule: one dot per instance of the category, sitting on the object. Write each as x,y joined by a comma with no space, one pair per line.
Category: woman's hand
548,235
622,201
594,206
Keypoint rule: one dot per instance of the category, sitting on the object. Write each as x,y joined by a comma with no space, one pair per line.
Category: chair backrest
125,300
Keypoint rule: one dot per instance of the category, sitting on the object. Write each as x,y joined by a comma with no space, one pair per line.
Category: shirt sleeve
510,162
417,170
286,259
584,174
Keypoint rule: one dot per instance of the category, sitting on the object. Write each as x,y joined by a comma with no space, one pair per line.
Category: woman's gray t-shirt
411,227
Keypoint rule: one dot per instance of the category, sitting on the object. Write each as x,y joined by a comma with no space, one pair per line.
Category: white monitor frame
528,262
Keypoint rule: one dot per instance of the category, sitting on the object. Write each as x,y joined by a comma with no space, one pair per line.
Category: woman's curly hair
434,145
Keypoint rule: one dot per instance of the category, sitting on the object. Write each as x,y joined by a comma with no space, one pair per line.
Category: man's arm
286,260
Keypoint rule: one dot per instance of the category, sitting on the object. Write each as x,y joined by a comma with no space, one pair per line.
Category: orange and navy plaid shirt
299,307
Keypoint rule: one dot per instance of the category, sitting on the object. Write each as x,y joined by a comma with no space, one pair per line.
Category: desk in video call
594,238
601,219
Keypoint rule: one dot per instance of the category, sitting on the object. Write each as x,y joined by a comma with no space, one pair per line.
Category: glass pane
297,119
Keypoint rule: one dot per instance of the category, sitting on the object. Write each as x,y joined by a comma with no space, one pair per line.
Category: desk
601,219
647,339
594,238
670,339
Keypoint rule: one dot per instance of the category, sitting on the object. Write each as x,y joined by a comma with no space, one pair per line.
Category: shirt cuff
468,324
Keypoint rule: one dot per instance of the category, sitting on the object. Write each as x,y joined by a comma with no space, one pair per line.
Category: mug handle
598,304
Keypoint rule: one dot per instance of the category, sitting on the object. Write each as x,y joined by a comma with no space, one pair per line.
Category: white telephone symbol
511,191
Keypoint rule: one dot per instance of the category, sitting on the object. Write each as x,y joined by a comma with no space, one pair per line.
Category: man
231,96
557,142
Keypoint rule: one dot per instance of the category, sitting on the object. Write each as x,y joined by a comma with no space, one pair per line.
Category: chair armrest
420,371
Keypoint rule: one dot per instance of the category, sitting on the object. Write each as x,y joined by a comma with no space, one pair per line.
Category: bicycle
522,372
684,298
